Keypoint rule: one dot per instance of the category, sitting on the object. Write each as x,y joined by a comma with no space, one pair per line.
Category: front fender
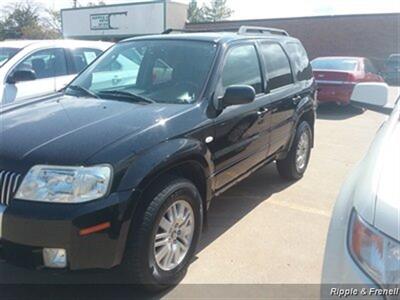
166,155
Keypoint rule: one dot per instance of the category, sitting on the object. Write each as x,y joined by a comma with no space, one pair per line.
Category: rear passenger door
282,95
238,144
78,59
82,57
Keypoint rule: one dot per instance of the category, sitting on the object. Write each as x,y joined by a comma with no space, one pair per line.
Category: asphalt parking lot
266,230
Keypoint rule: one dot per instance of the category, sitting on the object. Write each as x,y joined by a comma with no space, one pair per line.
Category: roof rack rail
261,30
171,30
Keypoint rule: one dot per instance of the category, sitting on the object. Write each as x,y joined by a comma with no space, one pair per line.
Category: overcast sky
257,9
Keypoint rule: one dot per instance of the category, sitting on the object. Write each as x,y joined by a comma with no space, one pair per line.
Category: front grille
9,182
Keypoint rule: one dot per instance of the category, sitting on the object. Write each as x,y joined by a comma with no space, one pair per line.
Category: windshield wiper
84,90
129,95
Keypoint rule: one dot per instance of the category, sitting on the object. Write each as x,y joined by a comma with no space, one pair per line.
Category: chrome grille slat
9,182
3,188
16,183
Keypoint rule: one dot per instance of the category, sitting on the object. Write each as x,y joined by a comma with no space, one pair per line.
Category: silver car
363,246
34,68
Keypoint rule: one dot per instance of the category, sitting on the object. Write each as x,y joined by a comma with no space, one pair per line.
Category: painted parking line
301,208
293,206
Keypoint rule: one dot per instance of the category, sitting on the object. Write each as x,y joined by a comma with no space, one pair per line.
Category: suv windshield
167,71
335,64
6,54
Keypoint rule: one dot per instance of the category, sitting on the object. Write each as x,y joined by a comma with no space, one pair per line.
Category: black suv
119,168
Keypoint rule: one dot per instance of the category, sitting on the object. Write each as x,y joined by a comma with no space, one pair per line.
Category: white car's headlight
57,184
377,254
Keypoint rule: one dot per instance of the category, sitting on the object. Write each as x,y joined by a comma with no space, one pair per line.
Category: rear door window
301,65
277,66
242,67
83,57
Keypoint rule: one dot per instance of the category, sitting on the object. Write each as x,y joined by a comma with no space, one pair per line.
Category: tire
288,168
140,257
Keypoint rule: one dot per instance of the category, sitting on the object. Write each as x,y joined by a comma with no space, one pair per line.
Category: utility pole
75,3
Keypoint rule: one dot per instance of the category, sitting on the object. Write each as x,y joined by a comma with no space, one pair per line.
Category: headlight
65,184
377,254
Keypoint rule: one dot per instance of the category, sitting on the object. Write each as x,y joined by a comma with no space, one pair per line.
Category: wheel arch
186,158
305,112
309,117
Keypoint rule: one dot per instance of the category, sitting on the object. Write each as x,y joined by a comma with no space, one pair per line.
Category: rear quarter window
302,69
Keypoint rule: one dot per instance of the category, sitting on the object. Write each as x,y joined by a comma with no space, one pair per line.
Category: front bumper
28,227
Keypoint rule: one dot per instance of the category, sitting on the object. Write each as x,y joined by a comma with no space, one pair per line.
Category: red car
337,76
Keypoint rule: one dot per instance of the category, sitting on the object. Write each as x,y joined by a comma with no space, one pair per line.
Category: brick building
374,35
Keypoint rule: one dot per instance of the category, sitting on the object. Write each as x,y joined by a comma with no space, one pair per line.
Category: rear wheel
295,164
162,246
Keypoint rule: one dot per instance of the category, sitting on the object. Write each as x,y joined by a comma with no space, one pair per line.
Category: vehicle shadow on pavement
337,113
232,206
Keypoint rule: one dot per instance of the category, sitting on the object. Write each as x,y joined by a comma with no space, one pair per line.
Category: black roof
215,37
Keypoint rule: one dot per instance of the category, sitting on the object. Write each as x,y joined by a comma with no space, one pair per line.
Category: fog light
55,258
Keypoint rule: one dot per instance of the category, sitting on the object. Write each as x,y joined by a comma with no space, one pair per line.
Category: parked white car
363,245
34,68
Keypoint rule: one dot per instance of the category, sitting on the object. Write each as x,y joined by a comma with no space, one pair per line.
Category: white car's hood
377,191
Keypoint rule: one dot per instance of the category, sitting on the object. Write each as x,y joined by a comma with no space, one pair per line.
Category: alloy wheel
302,152
174,235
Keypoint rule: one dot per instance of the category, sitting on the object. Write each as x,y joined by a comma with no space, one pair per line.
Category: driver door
48,65
240,144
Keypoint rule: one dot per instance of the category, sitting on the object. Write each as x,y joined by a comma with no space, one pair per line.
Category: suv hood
69,130
376,194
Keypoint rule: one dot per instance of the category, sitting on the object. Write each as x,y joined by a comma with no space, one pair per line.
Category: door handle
296,98
262,111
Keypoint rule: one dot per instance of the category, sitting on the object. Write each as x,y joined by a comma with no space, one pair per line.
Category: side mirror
371,95
238,94
21,75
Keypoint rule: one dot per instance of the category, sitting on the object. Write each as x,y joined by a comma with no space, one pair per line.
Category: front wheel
164,242
295,164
